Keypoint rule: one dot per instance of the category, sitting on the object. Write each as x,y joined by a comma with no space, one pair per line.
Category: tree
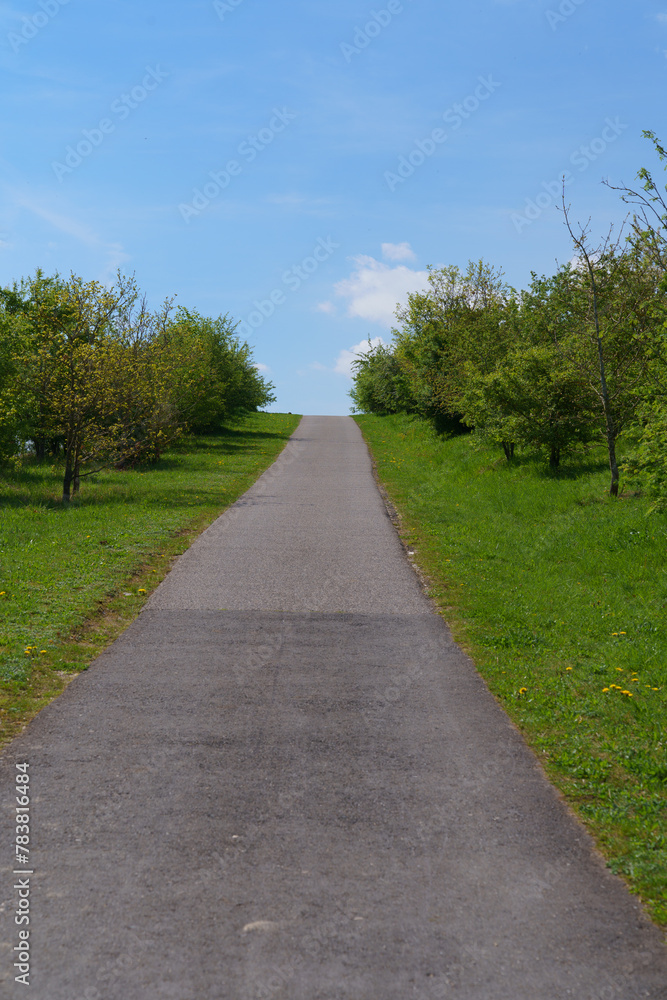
380,384
232,384
457,327
66,366
93,373
32,311
649,224
649,244
161,378
611,294
535,398
12,333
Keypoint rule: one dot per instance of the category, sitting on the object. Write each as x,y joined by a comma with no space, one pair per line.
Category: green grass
559,593
73,576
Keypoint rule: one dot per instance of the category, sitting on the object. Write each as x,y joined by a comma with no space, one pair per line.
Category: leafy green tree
231,383
534,398
160,376
12,331
32,310
649,246
611,319
452,331
380,383
66,366
96,375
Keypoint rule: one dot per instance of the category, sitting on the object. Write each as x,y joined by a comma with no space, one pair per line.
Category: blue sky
298,165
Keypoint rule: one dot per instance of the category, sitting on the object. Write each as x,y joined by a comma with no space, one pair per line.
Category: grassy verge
559,594
73,577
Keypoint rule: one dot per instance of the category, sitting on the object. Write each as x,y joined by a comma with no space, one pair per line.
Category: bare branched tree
589,256
649,224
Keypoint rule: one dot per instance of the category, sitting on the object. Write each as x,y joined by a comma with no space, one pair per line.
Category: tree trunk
67,479
40,448
611,448
610,424
606,406
71,465
508,448
554,457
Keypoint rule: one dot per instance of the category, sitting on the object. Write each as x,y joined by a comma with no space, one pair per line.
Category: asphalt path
286,782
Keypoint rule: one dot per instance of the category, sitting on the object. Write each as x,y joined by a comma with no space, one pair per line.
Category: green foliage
231,385
453,331
380,384
580,355
12,332
648,465
90,373
565,362
534,398
69,367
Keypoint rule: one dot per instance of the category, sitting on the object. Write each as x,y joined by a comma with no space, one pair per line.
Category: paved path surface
285,781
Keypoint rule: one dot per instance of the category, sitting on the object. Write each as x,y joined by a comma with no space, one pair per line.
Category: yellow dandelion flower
604,690
568,668
622,633
620,669
142,590
628,693
42,650
522,690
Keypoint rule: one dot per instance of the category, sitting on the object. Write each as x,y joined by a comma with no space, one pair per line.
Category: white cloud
344,360
398,251
326,307
374,289
260,367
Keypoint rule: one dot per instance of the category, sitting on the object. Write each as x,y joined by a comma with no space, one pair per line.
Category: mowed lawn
73,576
559,593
